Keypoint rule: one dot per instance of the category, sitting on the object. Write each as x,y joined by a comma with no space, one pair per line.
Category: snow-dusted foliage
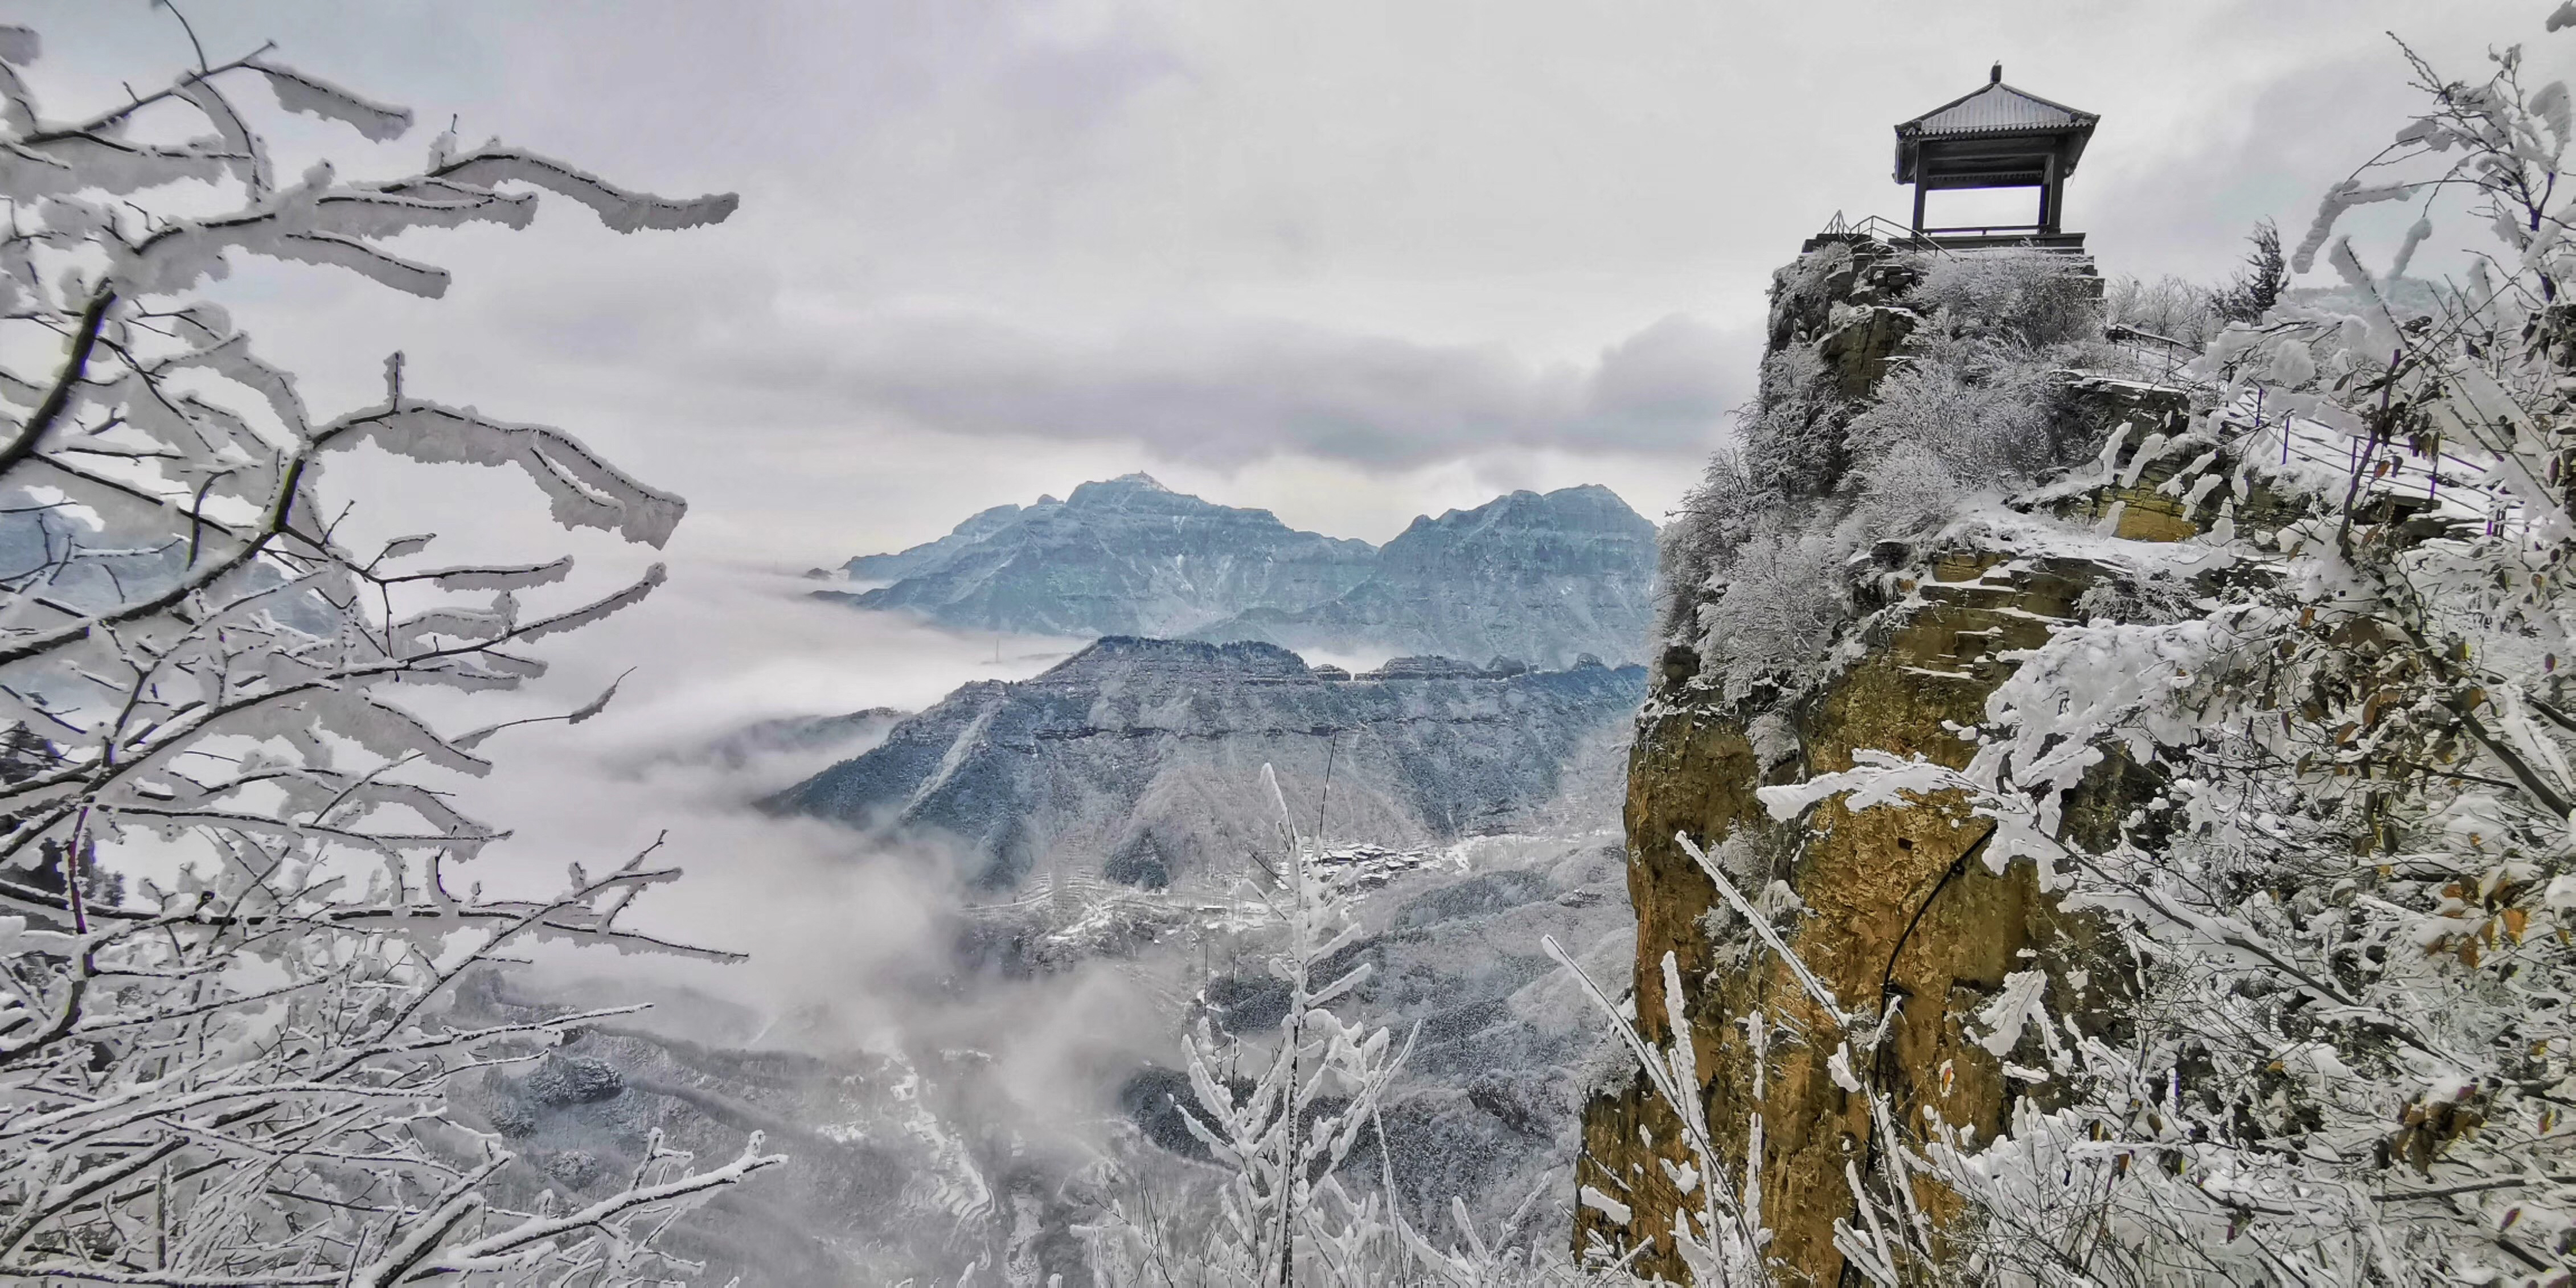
1278,1118
1778,610
232,899
1796,430
2341,904
1281,1113
2187,314
1968,406
1973,424
2026,299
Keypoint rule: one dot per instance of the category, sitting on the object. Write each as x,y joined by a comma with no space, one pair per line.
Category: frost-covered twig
236,1072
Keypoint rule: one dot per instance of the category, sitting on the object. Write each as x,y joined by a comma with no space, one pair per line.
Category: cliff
1914,626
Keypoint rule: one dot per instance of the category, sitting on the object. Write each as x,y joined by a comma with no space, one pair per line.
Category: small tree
229,1068
1280,1120
2257,285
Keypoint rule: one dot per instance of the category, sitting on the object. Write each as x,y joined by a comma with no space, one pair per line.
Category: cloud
817,907
990,250
1225,391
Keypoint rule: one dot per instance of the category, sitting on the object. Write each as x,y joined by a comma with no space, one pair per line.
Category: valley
1095,835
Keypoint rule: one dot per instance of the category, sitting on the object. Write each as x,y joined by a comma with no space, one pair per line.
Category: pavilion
1997,137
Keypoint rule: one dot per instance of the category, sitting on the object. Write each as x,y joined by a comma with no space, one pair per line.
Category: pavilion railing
1945,241
1886,230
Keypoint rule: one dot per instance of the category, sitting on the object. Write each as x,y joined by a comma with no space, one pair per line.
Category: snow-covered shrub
229,1067
1992,425
1773,618
1802,292
2027,297
1906,492
1711,522
1793,446
2169,307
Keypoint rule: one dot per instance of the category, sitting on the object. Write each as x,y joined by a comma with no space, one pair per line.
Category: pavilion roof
1996,108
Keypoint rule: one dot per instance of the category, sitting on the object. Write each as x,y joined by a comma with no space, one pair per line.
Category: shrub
1981,425
1794,445
2169,307
1774,618
2026,296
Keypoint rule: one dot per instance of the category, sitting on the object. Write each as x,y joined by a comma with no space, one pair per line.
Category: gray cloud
1224,391
1394,240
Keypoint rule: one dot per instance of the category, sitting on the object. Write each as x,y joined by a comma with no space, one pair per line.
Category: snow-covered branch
235,1073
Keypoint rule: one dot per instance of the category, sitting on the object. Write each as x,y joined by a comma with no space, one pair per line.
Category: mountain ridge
1541,577
1123,556
1140,759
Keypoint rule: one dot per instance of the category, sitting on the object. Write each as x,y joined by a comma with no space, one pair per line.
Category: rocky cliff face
1122,557
1889,906
1141,759
1886,903
1540,577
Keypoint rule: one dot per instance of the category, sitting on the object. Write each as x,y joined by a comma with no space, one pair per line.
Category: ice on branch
230,1064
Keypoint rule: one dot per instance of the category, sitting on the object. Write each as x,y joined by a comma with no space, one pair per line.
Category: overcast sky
1350,259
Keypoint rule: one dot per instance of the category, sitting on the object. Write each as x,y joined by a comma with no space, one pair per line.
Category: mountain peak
1133,488
1584,505
1121,556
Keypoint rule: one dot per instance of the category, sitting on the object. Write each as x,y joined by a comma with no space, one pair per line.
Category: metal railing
2434,479
1884,229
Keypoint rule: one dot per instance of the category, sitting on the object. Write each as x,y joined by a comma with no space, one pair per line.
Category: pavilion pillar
2051,192
1918,207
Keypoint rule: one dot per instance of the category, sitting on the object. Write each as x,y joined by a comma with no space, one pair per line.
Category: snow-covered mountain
1120,795
1140,759
1123,557
1539,577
